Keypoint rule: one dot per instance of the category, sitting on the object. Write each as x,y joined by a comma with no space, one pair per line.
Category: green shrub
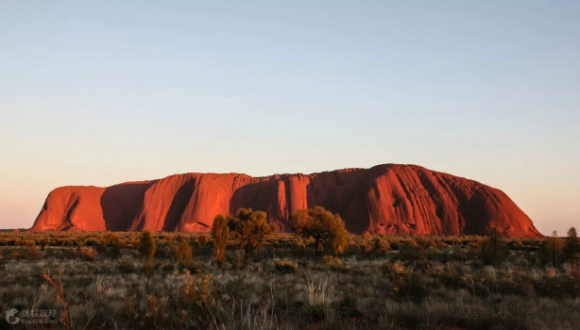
395,269
381,244
332,261
27,242
325,228
251,228
367,236
87,253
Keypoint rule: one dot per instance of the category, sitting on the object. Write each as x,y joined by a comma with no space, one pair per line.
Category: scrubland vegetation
243,275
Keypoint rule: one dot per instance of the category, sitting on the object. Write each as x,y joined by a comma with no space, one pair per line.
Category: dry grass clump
56,283
285,266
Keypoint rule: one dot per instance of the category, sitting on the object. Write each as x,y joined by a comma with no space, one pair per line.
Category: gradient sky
101,92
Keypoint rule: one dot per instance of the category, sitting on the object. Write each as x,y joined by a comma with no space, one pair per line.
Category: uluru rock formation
387,199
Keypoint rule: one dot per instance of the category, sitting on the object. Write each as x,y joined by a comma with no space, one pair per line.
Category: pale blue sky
100,92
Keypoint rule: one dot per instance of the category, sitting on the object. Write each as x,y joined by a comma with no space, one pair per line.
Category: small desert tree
552,249
220,233
147,246
338,237
572,246
325,228
493,248
183,252
251,227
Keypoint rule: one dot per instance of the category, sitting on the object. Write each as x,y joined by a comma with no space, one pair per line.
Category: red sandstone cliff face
387,199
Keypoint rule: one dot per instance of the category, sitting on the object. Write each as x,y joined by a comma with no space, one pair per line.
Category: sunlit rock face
385,199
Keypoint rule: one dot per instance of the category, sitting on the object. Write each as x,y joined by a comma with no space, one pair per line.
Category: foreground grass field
101,281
